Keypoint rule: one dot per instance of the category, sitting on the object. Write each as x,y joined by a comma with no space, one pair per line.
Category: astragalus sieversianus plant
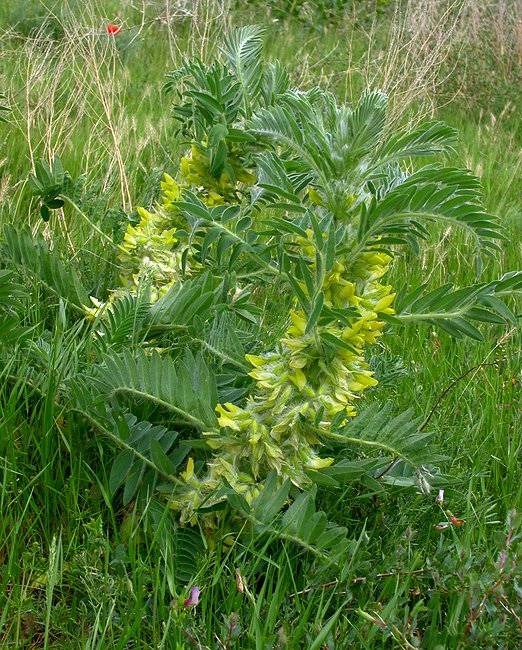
279,186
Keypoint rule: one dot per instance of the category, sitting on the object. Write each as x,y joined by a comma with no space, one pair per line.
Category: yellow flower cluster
148,251
298,382
195,169
298,390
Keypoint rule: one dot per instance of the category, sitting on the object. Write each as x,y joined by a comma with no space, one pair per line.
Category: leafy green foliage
427,139
212,91
143,440
398,436
122,578
47,184
221,233
146,450
300,523
34,256
347,160
186,300
452,195
214,100
242,49
182,548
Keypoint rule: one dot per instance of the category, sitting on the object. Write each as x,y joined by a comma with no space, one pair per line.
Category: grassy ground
77,569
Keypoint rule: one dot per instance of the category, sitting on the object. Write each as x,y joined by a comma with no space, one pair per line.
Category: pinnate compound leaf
188,551
427,139
186,388
300,523
366,122
147,451
449,195
33,255
242,49
121,321
454,310
398,436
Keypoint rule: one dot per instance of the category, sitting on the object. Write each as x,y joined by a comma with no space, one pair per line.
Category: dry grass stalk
208,19
421,36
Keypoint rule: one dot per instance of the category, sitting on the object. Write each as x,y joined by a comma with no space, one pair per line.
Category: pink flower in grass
193,598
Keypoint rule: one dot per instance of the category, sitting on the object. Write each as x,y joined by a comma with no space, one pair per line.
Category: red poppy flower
112,29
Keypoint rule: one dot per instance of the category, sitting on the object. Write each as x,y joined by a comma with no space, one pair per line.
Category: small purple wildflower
440,496
193,598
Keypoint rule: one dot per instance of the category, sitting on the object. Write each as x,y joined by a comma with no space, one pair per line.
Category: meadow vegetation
205,227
